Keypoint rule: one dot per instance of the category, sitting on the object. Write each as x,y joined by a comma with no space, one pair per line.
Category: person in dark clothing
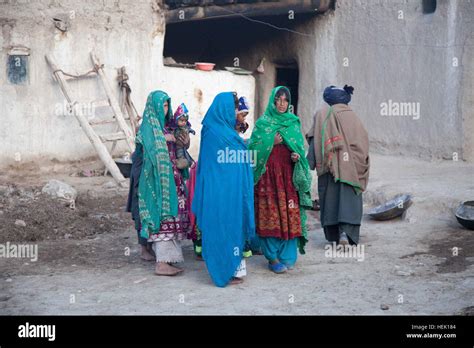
341,158
146,252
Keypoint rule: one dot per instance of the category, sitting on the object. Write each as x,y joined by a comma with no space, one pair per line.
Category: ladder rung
97,123
68,78
101,103
113,137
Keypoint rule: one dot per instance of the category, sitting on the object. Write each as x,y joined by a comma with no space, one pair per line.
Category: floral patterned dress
175,228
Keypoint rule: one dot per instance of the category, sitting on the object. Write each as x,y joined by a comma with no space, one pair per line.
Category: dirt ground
84,266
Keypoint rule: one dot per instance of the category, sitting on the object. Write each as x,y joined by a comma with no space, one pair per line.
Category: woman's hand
170,138
295,157
184,139
278,139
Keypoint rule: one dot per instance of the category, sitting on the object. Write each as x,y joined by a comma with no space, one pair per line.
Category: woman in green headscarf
162,204
282,182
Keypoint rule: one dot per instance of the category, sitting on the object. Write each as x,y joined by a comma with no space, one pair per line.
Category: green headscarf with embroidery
157,197
261,141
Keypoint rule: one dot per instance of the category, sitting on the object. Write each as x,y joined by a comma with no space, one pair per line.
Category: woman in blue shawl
223,197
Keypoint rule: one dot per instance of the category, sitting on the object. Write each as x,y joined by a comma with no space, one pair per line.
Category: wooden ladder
123,131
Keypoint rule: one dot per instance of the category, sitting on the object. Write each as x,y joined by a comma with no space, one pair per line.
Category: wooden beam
194,13
101,122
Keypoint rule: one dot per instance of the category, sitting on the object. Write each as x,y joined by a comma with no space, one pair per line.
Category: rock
109,185
67,236
8,280
26,194
3,190
61,190
404,273
384,307
6,190
139,281
93,194
87,173
101,216
20,223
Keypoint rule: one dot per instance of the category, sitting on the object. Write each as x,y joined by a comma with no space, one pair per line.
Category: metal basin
391,209
465,214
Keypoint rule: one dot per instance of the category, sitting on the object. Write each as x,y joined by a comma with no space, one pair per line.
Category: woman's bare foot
236,280
146,255
162,268
175,266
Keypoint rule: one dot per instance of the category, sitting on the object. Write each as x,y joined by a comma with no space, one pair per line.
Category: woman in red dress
282,182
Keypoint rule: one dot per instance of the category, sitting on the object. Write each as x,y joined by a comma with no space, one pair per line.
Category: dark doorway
217,41
289,77
429,6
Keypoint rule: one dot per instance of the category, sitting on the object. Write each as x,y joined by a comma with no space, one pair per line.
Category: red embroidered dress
276,199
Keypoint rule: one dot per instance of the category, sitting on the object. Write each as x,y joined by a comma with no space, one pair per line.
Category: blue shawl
223,197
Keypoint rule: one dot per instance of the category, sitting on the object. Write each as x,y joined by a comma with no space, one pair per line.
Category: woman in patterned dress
163,212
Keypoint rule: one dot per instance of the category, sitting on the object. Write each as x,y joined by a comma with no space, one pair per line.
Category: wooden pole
130,138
